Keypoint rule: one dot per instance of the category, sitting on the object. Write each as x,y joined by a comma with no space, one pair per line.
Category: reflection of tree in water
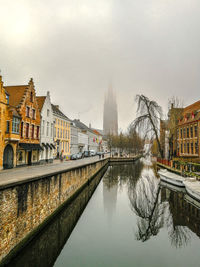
114,179
146,203
154,208
175,216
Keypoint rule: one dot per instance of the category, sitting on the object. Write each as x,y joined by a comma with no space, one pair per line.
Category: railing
164,162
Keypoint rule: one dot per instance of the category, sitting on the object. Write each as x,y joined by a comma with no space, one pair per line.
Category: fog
76,49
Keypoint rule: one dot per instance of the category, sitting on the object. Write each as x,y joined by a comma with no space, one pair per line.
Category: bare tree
148,118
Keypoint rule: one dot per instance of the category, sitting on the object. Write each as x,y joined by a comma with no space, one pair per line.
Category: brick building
188,134
22,99
9,130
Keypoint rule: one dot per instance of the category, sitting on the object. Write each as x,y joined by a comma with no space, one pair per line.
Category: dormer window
31,97
7,98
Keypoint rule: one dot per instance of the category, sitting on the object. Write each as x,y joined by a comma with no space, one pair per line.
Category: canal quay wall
25,207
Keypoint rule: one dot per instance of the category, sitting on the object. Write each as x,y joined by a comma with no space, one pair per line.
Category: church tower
110,114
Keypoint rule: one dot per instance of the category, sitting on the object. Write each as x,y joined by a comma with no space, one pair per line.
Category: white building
47,128
82,141
94,138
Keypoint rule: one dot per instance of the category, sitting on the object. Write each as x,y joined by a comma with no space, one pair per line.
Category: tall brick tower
110,114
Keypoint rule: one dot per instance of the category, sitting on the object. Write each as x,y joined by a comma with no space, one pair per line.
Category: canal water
131,219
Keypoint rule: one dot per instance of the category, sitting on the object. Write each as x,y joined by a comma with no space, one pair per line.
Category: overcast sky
75,49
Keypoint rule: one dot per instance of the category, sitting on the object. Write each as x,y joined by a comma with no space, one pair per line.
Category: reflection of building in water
110,188
183,213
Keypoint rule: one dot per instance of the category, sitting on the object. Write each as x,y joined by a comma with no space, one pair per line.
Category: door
29,157
8,156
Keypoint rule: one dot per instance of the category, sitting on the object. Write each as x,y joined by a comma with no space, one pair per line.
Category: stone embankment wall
24,208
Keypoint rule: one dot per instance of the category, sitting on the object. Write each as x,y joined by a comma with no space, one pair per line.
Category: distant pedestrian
61,156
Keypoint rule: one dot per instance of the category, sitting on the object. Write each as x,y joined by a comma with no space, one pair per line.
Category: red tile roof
15,94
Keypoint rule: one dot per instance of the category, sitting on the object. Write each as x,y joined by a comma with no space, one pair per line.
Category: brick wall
24,207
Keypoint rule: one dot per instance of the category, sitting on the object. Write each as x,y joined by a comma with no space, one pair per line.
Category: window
187,132
22,129
184,147
47,128
15,125
181,148
196,148
51,129
195,130
184,132
7,126
58,133
27,112
7,98
43,124
181,133
32,132
47,112
38,131
188,148
33,114
191,131
31,97
191,148
178,134
27,130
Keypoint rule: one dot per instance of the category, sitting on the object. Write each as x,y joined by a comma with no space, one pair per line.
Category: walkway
18,175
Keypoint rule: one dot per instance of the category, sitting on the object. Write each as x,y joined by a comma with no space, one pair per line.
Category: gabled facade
47,128
61,133
23,99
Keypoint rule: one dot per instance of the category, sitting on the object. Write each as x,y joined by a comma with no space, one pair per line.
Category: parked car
73,156
86,153
79,155
92,153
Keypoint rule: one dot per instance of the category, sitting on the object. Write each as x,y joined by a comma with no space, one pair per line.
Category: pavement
28,173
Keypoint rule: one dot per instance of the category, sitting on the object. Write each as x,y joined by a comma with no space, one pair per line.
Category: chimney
172,105
90,125
57,106
48,93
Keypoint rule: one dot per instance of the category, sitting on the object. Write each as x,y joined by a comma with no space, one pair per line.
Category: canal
130,220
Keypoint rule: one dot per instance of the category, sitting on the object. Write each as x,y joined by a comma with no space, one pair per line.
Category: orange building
9,130
188,132
22,100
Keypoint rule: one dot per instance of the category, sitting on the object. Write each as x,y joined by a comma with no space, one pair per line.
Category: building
9,130
23,104
110,114
188,132
74,139
168,132
93,138
47,128
61,133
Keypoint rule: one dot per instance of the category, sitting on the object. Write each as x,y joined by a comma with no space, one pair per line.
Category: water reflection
146,203
129,196
156,205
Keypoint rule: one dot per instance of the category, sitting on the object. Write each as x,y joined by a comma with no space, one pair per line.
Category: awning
52,145
48,145
45,145
29,147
